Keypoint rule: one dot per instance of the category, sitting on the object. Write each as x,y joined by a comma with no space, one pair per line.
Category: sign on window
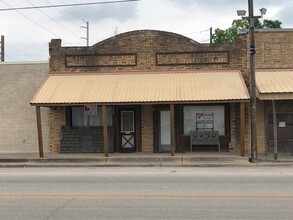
90,110
204,121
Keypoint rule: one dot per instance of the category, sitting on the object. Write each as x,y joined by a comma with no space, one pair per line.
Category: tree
271,24
229,34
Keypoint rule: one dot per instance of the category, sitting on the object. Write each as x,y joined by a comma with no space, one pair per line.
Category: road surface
146,193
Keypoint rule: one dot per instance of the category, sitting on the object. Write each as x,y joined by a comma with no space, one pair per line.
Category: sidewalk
194,159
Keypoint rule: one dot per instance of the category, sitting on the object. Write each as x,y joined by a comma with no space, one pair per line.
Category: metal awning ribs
141,88
274,84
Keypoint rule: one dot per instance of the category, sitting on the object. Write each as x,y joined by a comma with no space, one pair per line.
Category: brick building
18,130
274,81
162,92
156,87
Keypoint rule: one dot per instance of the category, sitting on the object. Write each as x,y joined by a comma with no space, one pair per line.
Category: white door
164,131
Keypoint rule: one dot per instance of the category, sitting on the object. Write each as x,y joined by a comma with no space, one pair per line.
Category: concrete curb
127,160
121,165
180,160
140,164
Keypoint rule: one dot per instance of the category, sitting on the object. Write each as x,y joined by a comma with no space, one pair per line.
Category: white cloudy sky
27,32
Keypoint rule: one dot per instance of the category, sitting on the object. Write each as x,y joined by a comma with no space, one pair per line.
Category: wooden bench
204,138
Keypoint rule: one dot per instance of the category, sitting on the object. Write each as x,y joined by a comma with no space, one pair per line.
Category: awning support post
242,129
105,130
40,135
172,129
275,127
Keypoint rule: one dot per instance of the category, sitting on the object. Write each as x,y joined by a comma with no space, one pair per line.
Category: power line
76,15
11,58
205,40
33,21
17,43
54,20
20,52
66,5
87,28
198,32
64,14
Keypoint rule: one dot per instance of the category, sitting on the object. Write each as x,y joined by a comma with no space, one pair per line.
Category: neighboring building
274,81
18,130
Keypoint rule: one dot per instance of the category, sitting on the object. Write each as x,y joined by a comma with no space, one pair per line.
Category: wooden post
242,129
275,127
40,136
2,49
105,130
172,129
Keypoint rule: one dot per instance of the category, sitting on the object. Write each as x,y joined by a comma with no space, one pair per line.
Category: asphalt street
146,193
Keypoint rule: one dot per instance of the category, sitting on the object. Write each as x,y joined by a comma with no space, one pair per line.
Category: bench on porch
204,138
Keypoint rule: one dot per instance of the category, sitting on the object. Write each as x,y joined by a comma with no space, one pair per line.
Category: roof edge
24,63
142,103
129,33
147,72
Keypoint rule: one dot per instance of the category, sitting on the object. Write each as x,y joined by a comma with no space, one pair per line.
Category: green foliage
272,24
229,34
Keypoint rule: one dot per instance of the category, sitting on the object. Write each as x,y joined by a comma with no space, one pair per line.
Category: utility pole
211,35
87,32
251,19
2,49
253,158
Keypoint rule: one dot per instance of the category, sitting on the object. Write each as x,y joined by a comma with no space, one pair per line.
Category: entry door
127,131
164,131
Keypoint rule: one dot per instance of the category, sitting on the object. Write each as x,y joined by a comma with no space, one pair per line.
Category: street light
251,19
263,11
241,13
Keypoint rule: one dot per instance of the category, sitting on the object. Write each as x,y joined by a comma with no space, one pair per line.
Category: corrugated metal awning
141,88
274,84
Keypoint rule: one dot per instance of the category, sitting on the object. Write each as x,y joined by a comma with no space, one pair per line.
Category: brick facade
18,126
57,119
261,140
274,49
234,125
158,51
151,50
147,128
154,50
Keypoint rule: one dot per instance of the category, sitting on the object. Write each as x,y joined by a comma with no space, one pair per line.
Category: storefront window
90,116
204,118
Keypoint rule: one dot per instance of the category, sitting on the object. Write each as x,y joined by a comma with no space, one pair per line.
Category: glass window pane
127,121
109,116
204,118
165,127
79,118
